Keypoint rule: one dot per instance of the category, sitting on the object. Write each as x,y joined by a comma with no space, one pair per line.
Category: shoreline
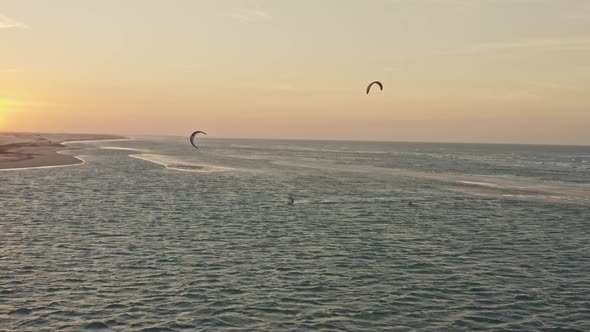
27,151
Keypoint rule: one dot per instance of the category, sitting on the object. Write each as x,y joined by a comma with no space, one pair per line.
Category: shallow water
151,234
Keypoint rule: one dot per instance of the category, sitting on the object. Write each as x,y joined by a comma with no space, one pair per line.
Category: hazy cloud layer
9,23
249,15
541,44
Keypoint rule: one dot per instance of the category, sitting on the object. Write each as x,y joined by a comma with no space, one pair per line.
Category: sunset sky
454,70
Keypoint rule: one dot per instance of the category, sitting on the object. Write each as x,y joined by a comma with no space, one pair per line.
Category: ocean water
150,234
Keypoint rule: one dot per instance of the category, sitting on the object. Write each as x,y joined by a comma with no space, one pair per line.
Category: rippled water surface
150,234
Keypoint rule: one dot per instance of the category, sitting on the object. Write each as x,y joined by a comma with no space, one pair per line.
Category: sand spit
27,150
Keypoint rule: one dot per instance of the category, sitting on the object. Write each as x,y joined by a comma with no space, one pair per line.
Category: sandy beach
24,150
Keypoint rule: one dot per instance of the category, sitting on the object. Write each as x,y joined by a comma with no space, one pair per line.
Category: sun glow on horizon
4,105
468,71
8,107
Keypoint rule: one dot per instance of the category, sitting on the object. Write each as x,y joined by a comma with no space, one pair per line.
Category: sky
497,71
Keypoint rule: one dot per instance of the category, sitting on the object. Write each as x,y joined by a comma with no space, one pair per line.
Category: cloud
284,87
390,69
541,44
576,17
580,15
8,23
249,15
555,86
514,96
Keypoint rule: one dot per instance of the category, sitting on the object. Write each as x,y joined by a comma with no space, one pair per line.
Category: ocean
151,234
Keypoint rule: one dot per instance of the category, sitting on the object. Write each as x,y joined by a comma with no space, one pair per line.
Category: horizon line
301,139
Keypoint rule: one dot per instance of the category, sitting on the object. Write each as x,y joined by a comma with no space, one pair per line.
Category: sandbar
29,150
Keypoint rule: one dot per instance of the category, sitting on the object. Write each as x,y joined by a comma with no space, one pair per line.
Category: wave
96,140
552,194
350,200
178,165
250,157
292,148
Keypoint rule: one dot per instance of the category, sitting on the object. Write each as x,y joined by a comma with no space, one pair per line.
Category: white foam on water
551,196
178,165
482,184
121,148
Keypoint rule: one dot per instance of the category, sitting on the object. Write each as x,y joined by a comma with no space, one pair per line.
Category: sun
7,105
4,104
